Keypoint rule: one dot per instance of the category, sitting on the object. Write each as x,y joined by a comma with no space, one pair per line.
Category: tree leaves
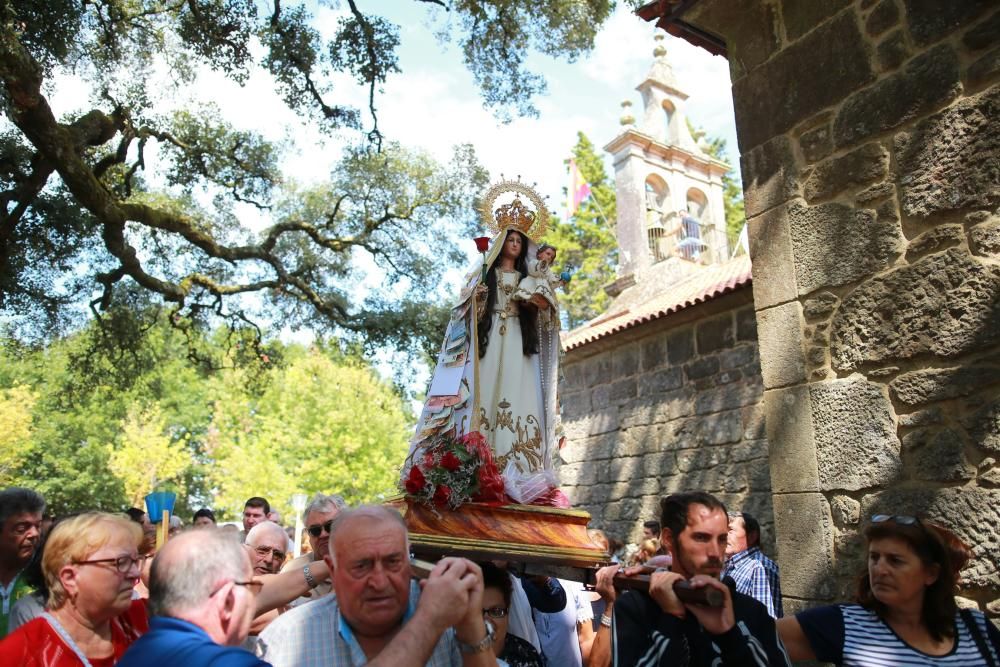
16,405
219,31
82,222
500,34
146,458
95,427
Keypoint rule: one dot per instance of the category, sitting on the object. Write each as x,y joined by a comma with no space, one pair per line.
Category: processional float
478,481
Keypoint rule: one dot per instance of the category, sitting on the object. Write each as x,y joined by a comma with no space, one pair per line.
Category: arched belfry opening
669,190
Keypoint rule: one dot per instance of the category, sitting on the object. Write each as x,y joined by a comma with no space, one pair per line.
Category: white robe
508,396
511,409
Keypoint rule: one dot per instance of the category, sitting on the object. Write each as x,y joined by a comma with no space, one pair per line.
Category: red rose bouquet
451,471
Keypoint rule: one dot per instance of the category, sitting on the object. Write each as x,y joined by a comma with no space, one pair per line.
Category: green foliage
146,457
587,241
219,32
366,48
81,225
207,149
90,426
324,424
16,404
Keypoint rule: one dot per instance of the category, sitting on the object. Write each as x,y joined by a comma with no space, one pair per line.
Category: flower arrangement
450,471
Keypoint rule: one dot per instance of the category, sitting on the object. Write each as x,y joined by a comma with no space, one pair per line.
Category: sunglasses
901,519
319,528
495,612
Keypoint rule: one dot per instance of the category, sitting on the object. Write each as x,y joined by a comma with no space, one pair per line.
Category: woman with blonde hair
91,563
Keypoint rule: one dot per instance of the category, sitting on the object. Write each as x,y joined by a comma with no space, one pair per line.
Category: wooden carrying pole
164,530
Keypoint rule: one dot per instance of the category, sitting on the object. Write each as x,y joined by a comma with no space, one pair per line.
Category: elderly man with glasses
202,597
318,516
267,543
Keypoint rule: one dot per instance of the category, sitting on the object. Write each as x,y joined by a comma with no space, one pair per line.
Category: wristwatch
483,644
310,579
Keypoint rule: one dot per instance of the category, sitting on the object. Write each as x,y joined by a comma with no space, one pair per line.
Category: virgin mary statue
498,366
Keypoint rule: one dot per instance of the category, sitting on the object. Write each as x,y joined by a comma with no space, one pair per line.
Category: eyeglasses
901,519
318,529
123,563
495,612
253,585
265,552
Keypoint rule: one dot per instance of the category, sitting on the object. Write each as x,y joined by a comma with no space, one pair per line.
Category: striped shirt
852,636
316,635
751,578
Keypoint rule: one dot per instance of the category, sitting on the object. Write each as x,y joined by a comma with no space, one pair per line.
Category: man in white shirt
566,636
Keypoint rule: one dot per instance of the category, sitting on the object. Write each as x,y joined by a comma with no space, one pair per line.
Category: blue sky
434,104
434,101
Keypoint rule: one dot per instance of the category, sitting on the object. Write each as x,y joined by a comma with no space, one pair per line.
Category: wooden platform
529,534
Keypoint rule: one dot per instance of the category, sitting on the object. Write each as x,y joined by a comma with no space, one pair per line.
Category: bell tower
669,190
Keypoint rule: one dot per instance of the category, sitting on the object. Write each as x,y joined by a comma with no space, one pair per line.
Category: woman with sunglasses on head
91,563
905,611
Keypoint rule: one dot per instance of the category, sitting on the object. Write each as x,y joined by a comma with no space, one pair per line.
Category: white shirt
558,632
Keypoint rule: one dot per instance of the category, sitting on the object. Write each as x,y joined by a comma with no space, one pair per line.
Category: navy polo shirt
171,641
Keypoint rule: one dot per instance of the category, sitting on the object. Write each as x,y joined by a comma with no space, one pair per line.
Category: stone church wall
671,405
870,134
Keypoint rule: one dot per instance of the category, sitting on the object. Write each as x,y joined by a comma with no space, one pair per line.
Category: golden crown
532,223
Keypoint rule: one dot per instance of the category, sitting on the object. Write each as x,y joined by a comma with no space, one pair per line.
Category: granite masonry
674,404
870,141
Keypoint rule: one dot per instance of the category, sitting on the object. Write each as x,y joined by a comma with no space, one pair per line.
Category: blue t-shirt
852,636
171,642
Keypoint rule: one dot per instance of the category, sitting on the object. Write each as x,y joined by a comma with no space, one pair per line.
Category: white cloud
623,46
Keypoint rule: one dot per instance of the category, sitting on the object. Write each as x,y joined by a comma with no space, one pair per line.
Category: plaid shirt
316,635
752,578
773,577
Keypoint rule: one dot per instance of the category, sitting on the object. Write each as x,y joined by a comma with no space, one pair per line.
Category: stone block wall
870,141
672,405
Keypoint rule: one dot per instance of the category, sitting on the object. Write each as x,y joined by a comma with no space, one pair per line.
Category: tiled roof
706,284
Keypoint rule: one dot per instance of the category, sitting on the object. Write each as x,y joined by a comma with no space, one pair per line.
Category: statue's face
512,245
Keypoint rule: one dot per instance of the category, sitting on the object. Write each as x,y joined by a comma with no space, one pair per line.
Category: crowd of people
94,588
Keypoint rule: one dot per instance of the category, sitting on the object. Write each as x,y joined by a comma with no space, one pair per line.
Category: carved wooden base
522,533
